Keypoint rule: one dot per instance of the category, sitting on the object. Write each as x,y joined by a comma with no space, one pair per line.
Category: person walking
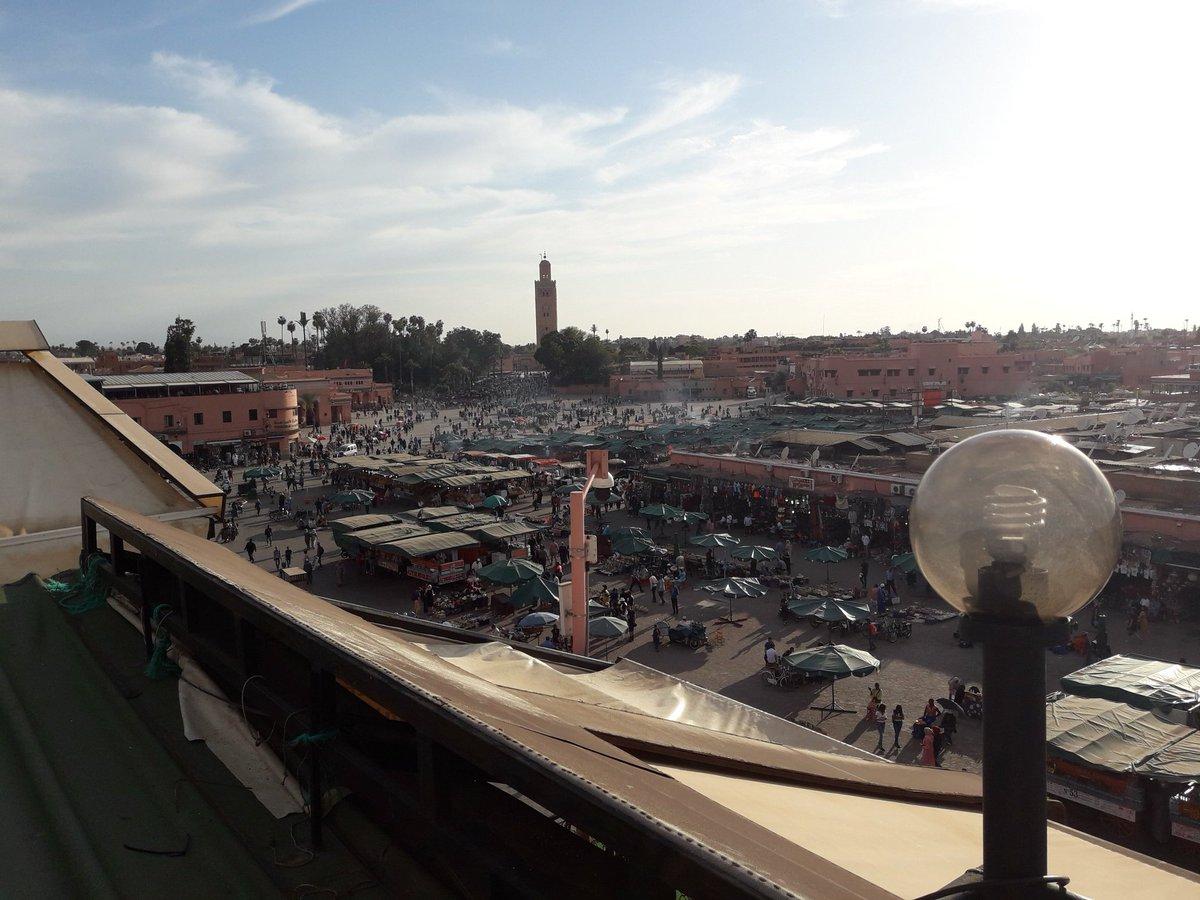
653,588
928,756
287,558
258,507
250,548
278,557
308,570
872,633
897,724
674,597
863,569
268,535
657,638
880,726
320,553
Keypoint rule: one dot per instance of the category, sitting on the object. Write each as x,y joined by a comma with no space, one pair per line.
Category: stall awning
1116,737
512,475
1181,559
424,514
501,531
462,521
355,523
1137,680
376,537
433,543
454,481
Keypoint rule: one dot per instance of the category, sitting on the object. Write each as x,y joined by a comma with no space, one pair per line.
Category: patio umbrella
905,562
736,587
596,608
629,531
660,511
834,661
495,501
538,620
753,552
633,546
829,609
533,591
607,626
511,571
692,518
261,472
719,539
352,498
826,555
570,488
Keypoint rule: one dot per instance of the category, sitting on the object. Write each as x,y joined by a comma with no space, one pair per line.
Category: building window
1006,370
984,369
168,421
272,413
849,393
892,392
226,415
964,370
893,373
912,371
197,418
254,415
874,392
933,372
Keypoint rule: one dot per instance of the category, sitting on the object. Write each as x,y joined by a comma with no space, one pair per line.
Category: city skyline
803,168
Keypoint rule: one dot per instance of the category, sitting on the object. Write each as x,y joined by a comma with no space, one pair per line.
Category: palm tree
606,334
318,322
282,320
291,327
593,329
304,334
398,326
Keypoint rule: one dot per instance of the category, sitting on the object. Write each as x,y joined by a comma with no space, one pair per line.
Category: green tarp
1138,680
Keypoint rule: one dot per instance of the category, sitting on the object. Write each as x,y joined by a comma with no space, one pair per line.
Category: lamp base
993,629
971,885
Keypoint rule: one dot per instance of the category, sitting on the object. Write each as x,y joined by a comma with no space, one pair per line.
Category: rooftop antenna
1190,451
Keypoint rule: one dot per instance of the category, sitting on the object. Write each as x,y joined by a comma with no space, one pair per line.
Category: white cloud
278,11
237,196
500,46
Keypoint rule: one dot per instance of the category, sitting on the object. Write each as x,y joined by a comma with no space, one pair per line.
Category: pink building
326,396
971,368
207,411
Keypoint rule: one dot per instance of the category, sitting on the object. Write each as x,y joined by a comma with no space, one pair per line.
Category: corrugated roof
433,543
502,531
808,437
463,521
166,379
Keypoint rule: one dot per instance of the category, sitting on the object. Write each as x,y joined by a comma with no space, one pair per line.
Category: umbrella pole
729,619
833,709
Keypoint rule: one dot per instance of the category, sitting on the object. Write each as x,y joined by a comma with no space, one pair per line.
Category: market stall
438,558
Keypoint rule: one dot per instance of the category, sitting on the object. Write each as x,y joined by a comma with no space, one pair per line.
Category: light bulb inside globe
1016,525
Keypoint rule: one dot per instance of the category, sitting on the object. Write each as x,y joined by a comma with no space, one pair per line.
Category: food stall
348,524
504,539
438,558
368,540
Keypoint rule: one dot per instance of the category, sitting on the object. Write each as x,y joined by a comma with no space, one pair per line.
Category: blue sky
795,167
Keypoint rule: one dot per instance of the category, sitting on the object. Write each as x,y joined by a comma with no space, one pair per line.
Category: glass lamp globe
1016,525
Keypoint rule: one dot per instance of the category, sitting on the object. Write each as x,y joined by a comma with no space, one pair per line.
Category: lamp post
598,479
1018,530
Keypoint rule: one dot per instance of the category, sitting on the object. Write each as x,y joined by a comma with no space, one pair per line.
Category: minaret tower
545,301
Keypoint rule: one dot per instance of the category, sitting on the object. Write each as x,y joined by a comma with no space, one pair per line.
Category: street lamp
1018,530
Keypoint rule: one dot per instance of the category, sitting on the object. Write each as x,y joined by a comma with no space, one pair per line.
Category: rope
308,738
89,592
160,666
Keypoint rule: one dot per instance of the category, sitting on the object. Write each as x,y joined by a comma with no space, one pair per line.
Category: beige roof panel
22,336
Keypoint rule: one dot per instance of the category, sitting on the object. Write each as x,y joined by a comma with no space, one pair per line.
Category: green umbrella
753,552
352,498
495,501
607,626
719,539
568,488
826,555
829,609
660,511
629,531
532,592
692,518
632,546
511,571
736,587
834,661
596,608
538,620
261,472
905,562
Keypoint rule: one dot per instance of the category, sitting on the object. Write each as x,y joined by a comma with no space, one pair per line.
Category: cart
689,633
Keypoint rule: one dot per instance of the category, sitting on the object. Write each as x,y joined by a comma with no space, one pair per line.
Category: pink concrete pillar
579,585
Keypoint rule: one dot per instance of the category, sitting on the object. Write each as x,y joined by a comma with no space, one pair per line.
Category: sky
792,166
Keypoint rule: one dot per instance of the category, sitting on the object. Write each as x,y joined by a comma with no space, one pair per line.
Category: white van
346,450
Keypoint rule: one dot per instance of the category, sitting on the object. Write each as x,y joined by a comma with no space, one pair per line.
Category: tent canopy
1137,680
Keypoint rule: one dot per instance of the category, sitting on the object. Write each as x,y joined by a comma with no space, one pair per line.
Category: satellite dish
1131,417
816,457
784,454
1181,411
1120,495
1191,450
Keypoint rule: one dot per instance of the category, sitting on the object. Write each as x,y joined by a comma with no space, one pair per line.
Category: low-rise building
208,412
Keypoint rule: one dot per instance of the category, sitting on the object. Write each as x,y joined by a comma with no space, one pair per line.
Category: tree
318,323
750,335
145,348
177,349
573,357
304,335
282,321
291,327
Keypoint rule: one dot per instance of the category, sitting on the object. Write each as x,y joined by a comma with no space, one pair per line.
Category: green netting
89,592
160,665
